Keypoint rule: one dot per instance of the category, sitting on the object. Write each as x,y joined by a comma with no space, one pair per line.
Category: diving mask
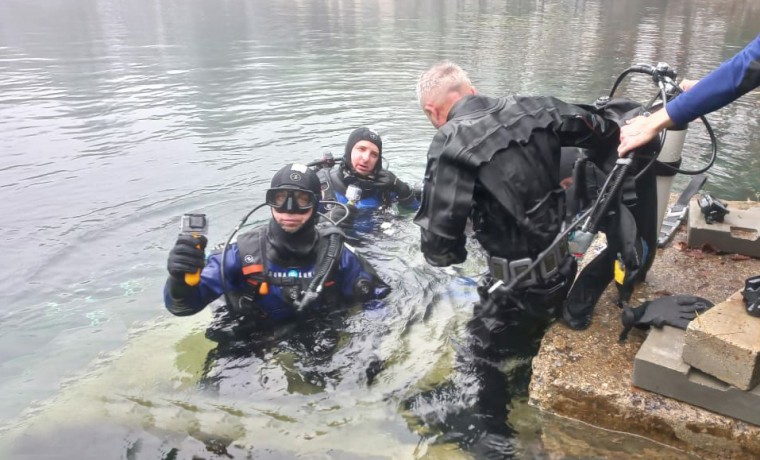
291,200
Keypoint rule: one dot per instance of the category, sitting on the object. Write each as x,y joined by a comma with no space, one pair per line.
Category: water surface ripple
117,117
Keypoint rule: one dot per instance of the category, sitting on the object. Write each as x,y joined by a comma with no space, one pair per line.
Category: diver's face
291,222
364,157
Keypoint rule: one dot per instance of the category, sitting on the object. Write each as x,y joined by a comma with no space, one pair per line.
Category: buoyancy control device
326,263
602,198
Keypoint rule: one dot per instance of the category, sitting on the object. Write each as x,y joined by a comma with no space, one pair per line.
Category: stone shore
586,375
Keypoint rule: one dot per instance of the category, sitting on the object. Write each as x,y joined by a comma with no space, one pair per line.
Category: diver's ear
433,113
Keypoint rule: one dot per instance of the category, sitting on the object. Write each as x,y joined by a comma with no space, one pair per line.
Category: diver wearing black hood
293,247
270,269
361,182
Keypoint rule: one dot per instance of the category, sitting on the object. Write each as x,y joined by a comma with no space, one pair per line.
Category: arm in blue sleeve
731,80
183,300
352,268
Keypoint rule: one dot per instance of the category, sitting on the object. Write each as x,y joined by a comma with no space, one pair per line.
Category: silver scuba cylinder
670,154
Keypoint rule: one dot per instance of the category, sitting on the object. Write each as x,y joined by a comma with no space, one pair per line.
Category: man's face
291,222
364,157
435,117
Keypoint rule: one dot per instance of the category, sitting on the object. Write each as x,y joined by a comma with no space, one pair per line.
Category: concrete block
658,367
725,343
739,232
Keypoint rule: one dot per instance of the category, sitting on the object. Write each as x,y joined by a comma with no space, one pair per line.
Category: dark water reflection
117,117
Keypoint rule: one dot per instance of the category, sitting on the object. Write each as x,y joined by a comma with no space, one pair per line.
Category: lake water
119,116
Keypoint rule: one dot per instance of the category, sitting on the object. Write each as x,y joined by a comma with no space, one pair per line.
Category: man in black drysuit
496,162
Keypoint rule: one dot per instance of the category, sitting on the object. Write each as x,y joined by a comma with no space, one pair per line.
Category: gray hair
444,76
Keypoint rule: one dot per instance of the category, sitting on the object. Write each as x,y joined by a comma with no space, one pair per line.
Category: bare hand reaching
640,130
687,84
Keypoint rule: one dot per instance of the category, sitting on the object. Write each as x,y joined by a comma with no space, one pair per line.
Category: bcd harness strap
328,184
507,270
333,183
258,277
255,274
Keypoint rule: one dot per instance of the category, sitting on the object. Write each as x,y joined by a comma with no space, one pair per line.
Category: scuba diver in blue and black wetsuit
362,184
288,269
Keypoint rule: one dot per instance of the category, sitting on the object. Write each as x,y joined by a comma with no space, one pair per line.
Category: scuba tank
672,144
672,140
669,154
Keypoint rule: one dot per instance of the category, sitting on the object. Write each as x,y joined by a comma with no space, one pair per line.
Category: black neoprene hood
297,176
363,134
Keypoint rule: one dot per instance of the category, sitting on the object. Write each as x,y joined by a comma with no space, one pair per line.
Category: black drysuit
496,161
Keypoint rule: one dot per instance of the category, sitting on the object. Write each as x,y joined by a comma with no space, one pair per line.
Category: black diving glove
404,191
388,181
187,256
751,295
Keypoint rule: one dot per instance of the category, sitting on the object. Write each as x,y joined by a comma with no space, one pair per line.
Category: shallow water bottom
143,404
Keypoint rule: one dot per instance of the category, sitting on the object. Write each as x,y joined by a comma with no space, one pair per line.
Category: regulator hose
224,251
602,204
662,75
326,265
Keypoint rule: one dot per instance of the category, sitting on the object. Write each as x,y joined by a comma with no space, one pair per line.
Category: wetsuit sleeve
183,300
358,279
731,80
